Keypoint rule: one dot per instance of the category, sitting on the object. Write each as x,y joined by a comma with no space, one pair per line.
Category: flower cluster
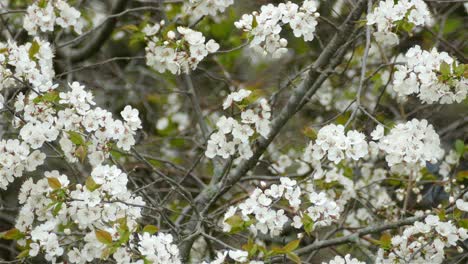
433,76
199,8
392,14
15,158
256,119
159,248
266,26
413,143
346,260
176,53
44,114
259,213
31,63
84,130
335,145
423,242
94,218
44,15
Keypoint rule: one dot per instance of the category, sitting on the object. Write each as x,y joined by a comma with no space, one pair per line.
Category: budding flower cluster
266,26
174,53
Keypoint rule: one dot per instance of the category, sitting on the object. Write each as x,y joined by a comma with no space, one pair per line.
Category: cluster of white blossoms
98,219
15,158
199,8
44,15
412,143
259,212
45,114
31,63
265,27
333,143
158,248
433,76
423,242
346,260
233,135
392,14
174,53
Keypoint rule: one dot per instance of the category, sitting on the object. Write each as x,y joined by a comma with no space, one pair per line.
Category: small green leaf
459,147
76,138
52,97
463,223
407,26
81,152
294,258
54,183
458,70
12,234
291,246
33,50
385,241
91,184
462,175
445,69
308,224
23,254
42,3
151,229
103,237
277,250
310,133
57,208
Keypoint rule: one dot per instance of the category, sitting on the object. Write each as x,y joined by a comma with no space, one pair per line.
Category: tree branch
98,39
358,234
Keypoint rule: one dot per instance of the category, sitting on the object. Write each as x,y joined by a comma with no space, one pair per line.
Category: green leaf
76,138
124,236
50,97
57,208
458,70
237,223
250,247
294,258
33,50
81,152
12,234
385,241
130,28
23,254
151,229
277,250
103,237
459,147
407,26
91,184
463,223
42,3
308,224
291,246
462,175
310,133
54,183
445,69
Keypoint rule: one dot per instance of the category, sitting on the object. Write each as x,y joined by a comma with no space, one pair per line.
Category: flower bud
171,34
